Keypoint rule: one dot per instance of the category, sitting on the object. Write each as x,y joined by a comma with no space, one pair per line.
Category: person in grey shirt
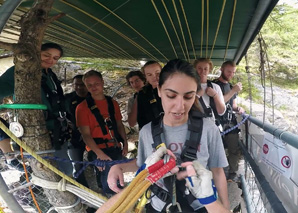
178,86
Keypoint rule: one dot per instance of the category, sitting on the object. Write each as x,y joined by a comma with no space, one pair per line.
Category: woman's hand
115,175
125,150
211,92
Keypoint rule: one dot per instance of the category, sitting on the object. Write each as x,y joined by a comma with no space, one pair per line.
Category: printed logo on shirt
177,147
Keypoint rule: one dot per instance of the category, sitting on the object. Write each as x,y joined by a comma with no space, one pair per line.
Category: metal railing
259,194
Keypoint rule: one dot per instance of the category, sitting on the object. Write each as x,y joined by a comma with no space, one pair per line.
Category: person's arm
221,185
132,116
236,88
240,110
219,104
116,174
89,141
122,133
216,207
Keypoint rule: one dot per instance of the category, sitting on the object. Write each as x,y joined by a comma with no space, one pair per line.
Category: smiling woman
52,93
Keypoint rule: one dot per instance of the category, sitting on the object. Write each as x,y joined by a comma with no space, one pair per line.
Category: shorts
3,135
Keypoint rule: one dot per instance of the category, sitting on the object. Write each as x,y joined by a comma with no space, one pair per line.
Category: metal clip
110,127
171,204
62,114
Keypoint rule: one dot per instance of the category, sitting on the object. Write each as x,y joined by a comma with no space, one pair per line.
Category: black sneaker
15,164
233,177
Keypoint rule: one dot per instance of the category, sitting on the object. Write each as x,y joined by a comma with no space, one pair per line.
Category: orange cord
27,178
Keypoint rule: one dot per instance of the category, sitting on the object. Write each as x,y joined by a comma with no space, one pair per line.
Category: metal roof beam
264,7
6,11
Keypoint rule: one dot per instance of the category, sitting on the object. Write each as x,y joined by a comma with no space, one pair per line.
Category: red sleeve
82,114
118,115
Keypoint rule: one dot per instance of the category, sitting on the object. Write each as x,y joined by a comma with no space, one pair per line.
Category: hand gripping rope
140,184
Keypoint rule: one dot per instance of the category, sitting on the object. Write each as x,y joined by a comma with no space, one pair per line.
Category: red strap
162,171
155,166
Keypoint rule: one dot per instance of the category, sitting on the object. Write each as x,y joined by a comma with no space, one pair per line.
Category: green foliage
106,64
280,35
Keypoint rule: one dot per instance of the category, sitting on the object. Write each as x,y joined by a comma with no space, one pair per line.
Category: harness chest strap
111,123
189,152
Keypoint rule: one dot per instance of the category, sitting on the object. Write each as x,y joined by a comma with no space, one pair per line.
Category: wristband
210,199
214,95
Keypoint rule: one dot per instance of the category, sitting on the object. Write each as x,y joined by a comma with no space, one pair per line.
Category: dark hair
149,63
78,77
231,63
135,73
92,73
206,60
47,46
179,66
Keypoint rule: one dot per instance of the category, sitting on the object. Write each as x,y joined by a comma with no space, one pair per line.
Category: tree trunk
28,90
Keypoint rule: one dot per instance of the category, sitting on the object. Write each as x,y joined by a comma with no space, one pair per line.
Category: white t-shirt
206,98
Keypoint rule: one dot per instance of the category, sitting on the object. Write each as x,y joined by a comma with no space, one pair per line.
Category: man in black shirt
77,145
228,120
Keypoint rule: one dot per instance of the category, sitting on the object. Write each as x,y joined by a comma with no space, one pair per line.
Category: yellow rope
133,197
90,29
218,25
202,29
113,29
141,204
76,41
136,181
231,27
188,29
101,44
46,163
174,28
182,33
163,24
207,30
73,45
132,29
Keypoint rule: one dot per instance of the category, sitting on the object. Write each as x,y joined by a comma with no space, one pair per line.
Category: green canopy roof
156,29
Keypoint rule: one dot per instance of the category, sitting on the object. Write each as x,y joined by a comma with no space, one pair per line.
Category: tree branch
53,18
7,46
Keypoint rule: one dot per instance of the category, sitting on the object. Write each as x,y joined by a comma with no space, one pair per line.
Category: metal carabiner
178,206
110,127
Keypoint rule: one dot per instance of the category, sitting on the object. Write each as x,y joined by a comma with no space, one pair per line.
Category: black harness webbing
207,110
189,152
110,123
195,127
57,112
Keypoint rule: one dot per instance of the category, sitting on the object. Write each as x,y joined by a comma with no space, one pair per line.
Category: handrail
283,135
275,203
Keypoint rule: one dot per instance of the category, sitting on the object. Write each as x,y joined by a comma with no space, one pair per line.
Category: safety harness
109,122
150,111
56,112
208,110
189,153
228,119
